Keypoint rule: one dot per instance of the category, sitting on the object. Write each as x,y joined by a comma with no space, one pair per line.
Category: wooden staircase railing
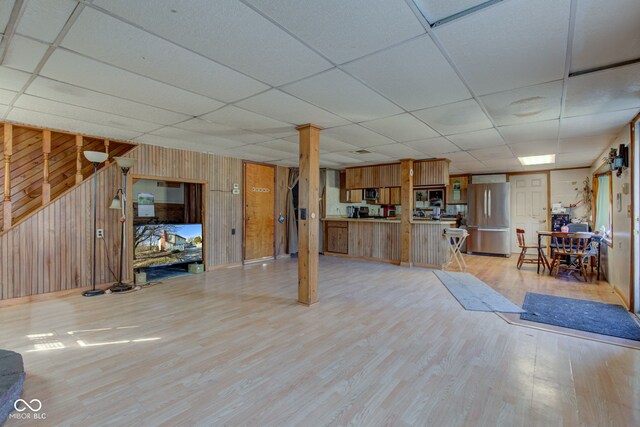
39,165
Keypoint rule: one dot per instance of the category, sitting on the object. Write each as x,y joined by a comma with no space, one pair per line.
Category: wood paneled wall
375,240
51,250
430,248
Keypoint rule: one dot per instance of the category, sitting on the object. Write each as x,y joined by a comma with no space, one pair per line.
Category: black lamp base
120,287
93,292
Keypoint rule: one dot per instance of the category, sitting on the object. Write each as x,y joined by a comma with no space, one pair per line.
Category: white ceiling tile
502,164
596,124
63,92
514,44
230,33
530,131
291,163
397,151
492,153
527,104
327,143
608,90
590,143
436,10
344,30
78,70
6,96
361,158
460,157
282,145
459,117
24,54
271,153
176,143
401,128
221,131
535,148
606,32
6,6
414,75
67,124
478,139
343,95
357,135
470,166
579,159
43,19
243,119
247,154
281,106
197,138
3,109
13,79
110,40
433,146
32,103
342,158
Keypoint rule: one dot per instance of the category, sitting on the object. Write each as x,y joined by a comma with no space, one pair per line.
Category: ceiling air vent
362,152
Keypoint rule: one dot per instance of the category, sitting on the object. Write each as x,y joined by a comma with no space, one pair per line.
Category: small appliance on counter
352,212
435,215
388,211
363,212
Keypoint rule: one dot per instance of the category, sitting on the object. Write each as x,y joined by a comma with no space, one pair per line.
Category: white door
528,206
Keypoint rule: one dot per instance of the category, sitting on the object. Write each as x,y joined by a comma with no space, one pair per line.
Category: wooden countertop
394,220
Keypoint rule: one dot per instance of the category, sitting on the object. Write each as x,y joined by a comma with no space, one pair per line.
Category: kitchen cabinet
387,196
338,237
431,173
457,190
348,195
380,176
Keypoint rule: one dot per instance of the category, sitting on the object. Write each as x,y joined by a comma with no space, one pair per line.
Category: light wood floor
385,345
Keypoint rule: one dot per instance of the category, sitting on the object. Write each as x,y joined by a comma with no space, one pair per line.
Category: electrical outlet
100,233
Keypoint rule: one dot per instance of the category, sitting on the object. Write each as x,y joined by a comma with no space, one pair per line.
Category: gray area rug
475,295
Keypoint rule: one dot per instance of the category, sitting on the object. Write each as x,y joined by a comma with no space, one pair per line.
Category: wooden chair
572,248
522,259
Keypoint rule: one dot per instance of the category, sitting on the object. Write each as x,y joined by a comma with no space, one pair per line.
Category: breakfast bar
378,239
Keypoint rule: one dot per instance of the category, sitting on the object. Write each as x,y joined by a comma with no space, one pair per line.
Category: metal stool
455,237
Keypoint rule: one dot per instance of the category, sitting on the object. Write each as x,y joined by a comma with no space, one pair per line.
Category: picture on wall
166,244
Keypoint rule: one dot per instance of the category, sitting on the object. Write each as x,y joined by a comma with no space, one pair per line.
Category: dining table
545,262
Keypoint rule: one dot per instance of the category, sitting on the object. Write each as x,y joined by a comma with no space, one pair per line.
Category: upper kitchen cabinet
457,190
378,176
431,173
348,195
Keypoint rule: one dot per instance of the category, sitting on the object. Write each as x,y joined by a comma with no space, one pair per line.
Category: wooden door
259,216
528,206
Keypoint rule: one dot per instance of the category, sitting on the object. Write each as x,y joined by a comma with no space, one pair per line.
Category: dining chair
522,259
572,249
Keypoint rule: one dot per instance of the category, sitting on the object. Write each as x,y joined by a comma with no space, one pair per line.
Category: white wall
618,260
566,188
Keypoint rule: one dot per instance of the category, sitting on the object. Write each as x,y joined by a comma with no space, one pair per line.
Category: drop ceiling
490,81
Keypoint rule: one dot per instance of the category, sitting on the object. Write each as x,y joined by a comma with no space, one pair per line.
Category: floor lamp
95,157
120,202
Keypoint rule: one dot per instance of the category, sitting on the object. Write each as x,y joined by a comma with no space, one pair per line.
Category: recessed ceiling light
537,160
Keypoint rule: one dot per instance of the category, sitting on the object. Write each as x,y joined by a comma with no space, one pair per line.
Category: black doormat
590,316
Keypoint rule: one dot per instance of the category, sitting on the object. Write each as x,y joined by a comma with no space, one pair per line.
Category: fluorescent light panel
537,160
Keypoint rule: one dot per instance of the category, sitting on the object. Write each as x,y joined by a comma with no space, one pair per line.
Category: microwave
370,194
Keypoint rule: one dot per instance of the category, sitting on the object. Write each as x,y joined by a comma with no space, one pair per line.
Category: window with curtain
603,203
